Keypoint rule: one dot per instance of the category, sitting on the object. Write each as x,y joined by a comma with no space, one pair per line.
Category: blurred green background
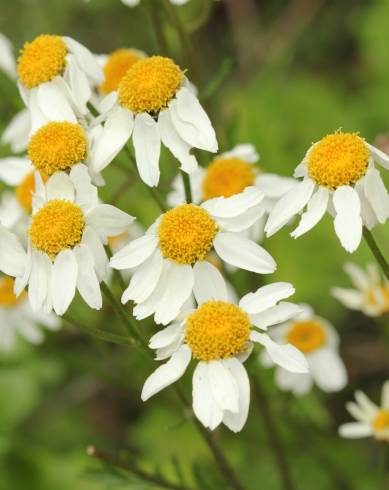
276,73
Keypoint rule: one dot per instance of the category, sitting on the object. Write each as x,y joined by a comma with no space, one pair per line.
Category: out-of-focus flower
65,248
134,3
371,295
371,420
318,340
229,174
7,58
56,74
220,335
17,132
169,258
17,317
339,176
154,104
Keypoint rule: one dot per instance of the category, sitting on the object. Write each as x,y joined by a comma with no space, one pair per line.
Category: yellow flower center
307,336
56,226
41,60
217,330
25,190
338,159
57,146
379,296
150,84
7,295
116,67
186,234
381,421
226,177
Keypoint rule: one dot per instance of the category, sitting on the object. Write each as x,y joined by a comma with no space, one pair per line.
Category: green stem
382,466
376,252
187,187
154,15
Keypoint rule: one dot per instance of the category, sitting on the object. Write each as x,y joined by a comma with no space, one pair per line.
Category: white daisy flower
339,176
154,104
56,74
169,260
229,174
371,419
7,58
319,341
17,132
65,238
17,317
371,293
220,336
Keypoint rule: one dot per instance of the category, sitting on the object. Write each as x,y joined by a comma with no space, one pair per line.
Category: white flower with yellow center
371,295
220,335
65,238
17,317
154,104
339,176
229,174
319,341
372,420
169,260
56,74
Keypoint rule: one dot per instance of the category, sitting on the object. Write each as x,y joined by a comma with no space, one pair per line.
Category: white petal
236,421
380,156
39,280
208,283
368,216
135,253
349,297
274,186
204,405
229,207
7,58
59,186
328,370
117,131
87,282
357,275
63,280
244,151
376,194
108,220
301,170
243,221
266,297
78,83
357,412
168,373
16,133
366,404
85,59
239,251
286,356
224,387
277,314
93,242
348,222
171,139
147,145
167,336
355,430
317,206
14,169
290,204
86,192
12,254
53,100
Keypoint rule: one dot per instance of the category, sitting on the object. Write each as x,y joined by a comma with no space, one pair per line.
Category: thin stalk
134,469
187,187
376,252
273,437
155,19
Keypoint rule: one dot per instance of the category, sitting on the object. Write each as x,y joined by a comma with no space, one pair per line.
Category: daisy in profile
318,340
17,317
169,260
339,176
371,293
371,420
56,74
229,174
154,103
220,336
65,242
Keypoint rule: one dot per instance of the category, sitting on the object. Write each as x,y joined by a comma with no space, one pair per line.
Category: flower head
116,66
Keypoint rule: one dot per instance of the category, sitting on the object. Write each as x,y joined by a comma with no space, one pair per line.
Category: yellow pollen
57,226
150,84
217,330
186,234
307,336
7,295
338,159
57,146
379,296
226,177
116,67
25,190
41,60
381,421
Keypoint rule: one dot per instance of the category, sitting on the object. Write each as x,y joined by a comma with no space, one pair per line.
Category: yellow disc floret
338,159
186,234
217,330
150,84
226,177
7,295
307,336
381,424
57,226
116,67
57,146
42,60
378,296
